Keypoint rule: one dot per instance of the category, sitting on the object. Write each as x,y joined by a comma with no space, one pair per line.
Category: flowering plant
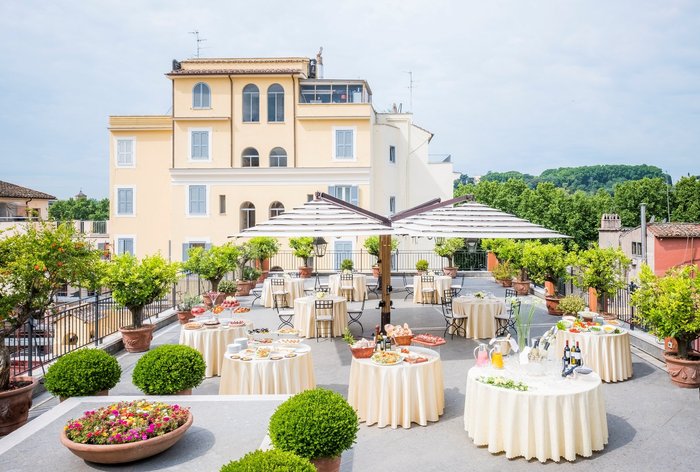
503,382
479,295
126,422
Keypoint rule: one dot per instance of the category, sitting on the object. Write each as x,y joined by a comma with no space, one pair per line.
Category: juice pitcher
496,357
481,354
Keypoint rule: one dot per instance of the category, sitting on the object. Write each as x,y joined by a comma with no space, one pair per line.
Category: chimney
610,222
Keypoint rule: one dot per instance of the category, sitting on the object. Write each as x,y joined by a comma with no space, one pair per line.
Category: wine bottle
377,338
387,343
567,355
577,354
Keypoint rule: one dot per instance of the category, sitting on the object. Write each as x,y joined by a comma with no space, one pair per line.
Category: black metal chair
347,286
428,288
458,287
278,287
450,320
355,315
506,321
284,313
510,293
373,287
323,313
408,287
257,294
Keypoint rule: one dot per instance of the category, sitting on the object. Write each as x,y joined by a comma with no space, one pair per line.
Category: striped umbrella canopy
469,220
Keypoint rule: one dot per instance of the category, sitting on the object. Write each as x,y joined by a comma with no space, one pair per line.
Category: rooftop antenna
198,41
410,89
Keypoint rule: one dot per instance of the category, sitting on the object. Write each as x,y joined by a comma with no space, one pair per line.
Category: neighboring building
668,244
249,138
19,204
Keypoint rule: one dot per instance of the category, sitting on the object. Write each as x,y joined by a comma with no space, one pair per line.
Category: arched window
278,157
275,103
247,215
201,96
251,104
276,208
251,158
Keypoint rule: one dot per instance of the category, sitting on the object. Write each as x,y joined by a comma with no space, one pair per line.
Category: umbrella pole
385,278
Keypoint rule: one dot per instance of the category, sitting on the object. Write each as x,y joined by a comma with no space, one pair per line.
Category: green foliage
273,460
303,247
601,269
630,195
447,248
136,283
315,423
506,176
421,265
504,271
190,301
250,274
462,180
346,264
263,247
80,209
373,247
592,178
169,369
228,286
508,250
214,263
687,198
572,304
348,337
670,305
81,373
544,262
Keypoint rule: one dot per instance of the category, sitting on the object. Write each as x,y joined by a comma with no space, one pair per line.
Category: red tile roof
675,230
8,190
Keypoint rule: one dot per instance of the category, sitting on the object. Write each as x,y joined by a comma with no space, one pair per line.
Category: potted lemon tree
263,248
447,248
603,270
546,264
212,265
373,247
303,248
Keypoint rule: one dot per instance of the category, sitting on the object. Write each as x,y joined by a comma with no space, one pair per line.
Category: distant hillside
587,178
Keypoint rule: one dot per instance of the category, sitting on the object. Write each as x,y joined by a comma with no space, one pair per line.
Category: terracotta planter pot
327,464
375,271
505,282
553,306
522,287
670,346
101,393
129,452
450,271
187,391
243,287
263,276
184,316
15,404
137,339
683,372
305,272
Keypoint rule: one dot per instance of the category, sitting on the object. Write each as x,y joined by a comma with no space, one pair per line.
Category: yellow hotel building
248,138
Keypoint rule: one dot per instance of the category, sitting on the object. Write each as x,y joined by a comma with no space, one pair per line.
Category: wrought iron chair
510,293
278,287
408,287
458,287
373,287
323,313
257,294
347,286
427,289
448,314
284,313
506,321
354,316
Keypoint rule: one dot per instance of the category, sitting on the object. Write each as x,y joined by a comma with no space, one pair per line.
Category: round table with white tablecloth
268,376
359,283
212,342
609,355
555,418
304,319
295,287
398,395
441,283
478,314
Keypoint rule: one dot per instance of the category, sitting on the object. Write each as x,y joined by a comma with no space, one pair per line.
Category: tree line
80,209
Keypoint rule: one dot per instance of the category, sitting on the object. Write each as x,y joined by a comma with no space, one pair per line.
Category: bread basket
404,340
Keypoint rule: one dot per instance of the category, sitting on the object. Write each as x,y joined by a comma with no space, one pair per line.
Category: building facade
248,138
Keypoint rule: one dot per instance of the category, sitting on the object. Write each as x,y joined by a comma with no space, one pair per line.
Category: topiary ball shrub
82,372
273,460
169,369
313,424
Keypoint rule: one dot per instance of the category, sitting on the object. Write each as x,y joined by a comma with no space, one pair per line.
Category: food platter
289,341
386,358
287,332
193,325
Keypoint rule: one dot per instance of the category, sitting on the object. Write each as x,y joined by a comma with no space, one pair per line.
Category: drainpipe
231,120
643,217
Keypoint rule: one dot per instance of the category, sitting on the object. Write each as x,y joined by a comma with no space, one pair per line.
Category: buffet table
555,418
359,282
295,287
478,314
442,283
398,395
212,342
304,315
608,355
268,376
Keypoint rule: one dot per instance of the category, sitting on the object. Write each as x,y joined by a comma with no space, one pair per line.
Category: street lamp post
320,246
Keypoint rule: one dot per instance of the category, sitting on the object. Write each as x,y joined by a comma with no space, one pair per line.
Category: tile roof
675,230
8,190
232,71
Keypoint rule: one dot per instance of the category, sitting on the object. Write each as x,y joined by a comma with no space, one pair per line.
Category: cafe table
479,315
287,375
359,283
294,287
212,342
442,283
398,395
304,320
609,355
555,418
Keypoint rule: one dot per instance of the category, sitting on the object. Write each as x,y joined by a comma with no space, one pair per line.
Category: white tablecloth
212,343
304,315
479,315
265,376
295,287
556,418
442,283
359,282
608,355
400,394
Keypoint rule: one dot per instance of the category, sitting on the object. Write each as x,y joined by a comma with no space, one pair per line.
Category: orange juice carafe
496,357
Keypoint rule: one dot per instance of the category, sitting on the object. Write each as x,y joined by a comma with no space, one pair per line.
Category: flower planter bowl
129,452
15,404
327,464
684,373
138,339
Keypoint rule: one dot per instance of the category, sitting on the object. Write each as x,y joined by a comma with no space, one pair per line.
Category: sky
504,85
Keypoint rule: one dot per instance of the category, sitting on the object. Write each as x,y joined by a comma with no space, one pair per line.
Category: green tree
303,248
630,195
687,197
601,269
214,263
447,248
544,262
80,209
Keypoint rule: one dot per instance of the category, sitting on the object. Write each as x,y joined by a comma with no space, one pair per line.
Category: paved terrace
652,424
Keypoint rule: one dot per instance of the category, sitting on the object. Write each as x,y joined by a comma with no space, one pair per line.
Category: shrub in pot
169,369
184,308
504,273
421,265
262,248
670,307
82,373
228,287
571,304
346,265
601,269
212,264
372,244
303,248
546,264
272,460
316,424
249,278
447,248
